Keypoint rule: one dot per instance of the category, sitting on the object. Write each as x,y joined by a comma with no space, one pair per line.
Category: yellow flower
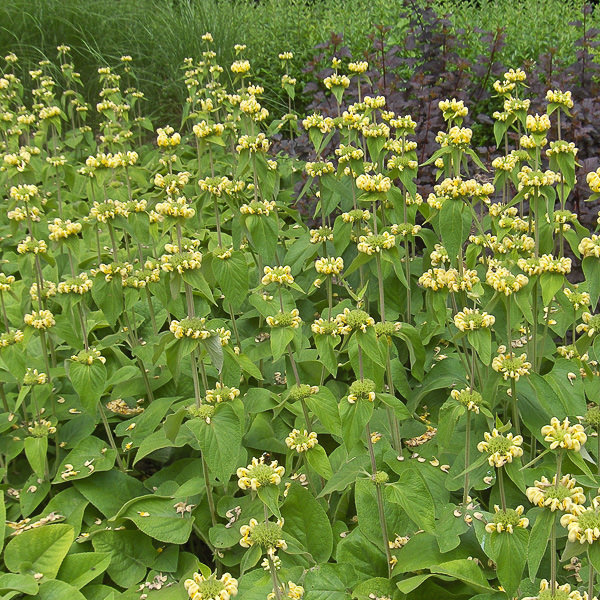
507,520
323,124
336,80
329,266
240,67
470,319
362,390
221,393
285,319
192,327
564,496
564,435
577,299
316,169
352,320
459,137
76,285
9,338
585,525
87,357
33,377
257,207
211,588
42,319
325,327
373,183
370,244
267,535
590,246
175,207
501,449
258,474
453,109
561,592
470,399
513,76
60,229
301,441
356,216
280,275
538,123
450,279
590,325
511,366
358,67
167,137
31,245
254,143
503,281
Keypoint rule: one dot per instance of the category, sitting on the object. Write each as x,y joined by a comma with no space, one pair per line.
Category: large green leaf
591,270
345,475
109,298
280,338
509,552
357,551
79,569
465,570
88,381
538,540
93,451
131,553
416,350
110,490
455,218
25,584
365,499
263,233
318,460
232,276
323,583
354,418
324,406
220,440
158,518
59,590
308,522
367,341
35,451
2,520
40,550
413,495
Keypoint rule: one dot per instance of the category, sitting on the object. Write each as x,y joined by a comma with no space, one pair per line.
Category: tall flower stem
559,459
4,315
591,576
501,486
380,507
515,410
80,312
467,457
274,578
393,420
380,285
553,556
111,439
209,493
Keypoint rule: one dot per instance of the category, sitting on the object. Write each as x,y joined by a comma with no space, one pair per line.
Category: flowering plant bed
203,397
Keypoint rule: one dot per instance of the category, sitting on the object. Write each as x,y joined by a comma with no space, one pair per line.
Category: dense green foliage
202,396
